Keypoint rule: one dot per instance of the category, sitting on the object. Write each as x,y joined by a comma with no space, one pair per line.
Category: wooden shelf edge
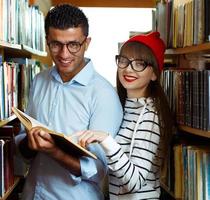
190,49
23,47
4,44
34,51
16,181
195,131
111,3
165,187
5,121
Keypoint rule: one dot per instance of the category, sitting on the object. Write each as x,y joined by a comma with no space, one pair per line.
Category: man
68,97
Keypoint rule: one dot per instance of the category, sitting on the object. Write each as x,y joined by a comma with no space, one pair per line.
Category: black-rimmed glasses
137,64
72,46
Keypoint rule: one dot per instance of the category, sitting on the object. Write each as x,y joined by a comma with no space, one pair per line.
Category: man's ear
87,42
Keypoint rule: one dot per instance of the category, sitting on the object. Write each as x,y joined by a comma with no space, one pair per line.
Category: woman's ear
154,77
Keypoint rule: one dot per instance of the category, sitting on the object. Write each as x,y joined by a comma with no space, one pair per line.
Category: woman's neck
136,93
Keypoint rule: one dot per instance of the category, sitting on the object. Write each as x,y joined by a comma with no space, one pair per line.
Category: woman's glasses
137,65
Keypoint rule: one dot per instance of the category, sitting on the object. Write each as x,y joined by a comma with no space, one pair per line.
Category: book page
65,143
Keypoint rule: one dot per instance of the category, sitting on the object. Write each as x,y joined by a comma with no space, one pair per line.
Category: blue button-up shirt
88,101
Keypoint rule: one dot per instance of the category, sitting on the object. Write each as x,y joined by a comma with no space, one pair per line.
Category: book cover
7,135
179,171
67,145
207,20
1,168
206,158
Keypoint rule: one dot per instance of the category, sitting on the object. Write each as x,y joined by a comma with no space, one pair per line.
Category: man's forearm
70,162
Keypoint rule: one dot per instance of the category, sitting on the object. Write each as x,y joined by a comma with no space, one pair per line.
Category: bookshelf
186,82
22,46
188,126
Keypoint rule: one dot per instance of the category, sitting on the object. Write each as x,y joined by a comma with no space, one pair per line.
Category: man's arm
39,140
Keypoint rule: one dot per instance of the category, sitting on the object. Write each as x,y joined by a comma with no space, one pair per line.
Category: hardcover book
65,143
7,135
1,168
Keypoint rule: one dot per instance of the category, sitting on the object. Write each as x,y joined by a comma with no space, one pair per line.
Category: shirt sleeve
133,173
91,169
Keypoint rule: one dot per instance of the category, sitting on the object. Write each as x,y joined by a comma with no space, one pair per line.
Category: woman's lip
129,78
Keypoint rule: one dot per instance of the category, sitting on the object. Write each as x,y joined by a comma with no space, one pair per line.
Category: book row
15,78
22,24
192,172
186,22
188,93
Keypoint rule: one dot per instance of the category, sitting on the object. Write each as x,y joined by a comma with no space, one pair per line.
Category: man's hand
40,140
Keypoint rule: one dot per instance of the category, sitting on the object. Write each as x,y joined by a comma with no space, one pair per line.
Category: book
66,144
7,135
2,168
206,181
179,171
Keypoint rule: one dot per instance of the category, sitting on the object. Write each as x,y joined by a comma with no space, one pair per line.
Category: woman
135,156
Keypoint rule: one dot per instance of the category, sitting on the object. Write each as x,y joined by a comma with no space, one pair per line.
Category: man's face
68,58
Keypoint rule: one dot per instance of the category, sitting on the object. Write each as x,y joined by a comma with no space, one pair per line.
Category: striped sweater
139,176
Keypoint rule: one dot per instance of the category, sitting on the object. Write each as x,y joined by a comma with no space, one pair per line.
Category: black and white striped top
139,177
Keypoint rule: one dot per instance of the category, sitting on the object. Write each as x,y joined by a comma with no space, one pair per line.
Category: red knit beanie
153,41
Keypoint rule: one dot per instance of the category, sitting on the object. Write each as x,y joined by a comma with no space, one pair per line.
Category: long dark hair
154,91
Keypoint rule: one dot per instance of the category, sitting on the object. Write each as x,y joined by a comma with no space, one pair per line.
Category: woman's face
136,83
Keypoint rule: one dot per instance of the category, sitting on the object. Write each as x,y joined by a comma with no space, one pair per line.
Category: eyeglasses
137,65
72,46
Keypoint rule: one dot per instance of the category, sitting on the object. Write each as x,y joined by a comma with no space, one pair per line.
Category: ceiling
109,3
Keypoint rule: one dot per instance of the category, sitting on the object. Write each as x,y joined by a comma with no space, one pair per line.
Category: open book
66,144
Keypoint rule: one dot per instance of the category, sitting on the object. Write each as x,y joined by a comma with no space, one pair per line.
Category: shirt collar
82,78
141,100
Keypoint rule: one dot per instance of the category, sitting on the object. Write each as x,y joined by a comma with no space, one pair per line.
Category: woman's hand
88,136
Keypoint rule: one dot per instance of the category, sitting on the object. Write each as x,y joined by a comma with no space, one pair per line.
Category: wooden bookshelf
9,51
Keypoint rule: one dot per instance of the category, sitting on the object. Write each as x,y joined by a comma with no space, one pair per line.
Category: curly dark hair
64,16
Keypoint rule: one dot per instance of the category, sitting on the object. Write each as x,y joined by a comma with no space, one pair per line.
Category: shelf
10,190
205,47
166,189
4,45
111,3
22,50
33,51
195,131
5,121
